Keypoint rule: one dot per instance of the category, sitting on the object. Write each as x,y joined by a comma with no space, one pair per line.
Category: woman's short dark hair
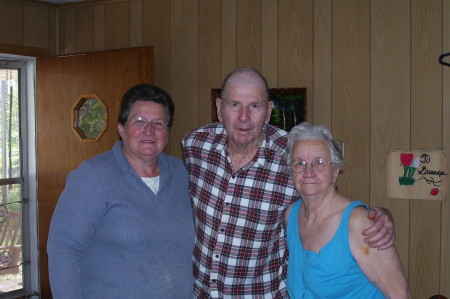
145,92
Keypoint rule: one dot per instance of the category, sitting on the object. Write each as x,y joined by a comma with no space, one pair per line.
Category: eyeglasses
319,165
142,123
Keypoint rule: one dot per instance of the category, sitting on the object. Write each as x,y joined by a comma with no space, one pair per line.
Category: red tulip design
410,165
406,159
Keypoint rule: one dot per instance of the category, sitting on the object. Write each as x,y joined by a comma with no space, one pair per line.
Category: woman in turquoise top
328,257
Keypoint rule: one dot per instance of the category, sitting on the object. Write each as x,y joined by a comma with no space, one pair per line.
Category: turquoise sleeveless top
331,273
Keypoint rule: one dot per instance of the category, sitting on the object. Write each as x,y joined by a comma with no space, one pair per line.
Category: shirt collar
261,154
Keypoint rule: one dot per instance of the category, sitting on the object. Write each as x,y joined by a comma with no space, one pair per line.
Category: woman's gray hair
307,131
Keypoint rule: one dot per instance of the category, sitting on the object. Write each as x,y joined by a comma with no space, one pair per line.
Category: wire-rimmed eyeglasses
319,165
141,123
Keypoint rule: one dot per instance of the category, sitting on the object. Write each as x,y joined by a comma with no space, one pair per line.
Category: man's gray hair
244,76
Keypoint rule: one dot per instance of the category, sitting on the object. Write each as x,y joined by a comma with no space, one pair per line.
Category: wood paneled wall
370,68
28,24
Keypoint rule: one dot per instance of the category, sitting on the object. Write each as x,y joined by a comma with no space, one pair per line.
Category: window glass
11,276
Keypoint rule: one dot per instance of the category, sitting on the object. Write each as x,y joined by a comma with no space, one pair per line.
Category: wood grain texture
269,41
25,51
99,27
117,25
136,23
11,17
52,31
426,133
209,52
248,34
322,63
36,26
351,93
295,48
60,30
68,43
156,33
228,36
445,226
424,256
84,28
426,95
390,107
184,69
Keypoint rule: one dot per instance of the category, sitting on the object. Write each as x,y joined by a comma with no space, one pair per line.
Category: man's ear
269,111
219,110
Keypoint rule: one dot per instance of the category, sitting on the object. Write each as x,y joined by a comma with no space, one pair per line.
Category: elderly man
240,187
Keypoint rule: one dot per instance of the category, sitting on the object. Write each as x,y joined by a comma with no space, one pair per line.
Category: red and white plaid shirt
240,250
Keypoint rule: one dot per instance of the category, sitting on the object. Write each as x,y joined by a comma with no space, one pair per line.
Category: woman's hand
381,234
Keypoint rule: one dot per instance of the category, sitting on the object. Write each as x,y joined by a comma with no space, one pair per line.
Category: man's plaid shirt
240,250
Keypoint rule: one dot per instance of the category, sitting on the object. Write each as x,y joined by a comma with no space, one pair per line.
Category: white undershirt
152,183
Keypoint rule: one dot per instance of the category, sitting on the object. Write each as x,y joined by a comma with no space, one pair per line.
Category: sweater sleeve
76,217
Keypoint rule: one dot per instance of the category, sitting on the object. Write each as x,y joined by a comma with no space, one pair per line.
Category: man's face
244,113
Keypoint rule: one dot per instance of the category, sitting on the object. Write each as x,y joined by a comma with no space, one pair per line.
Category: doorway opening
18,200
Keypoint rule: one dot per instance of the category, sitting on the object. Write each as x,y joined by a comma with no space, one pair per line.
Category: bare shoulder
358,221
382,267
359,216
286,214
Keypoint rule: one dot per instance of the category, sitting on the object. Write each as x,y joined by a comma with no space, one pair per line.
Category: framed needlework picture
289,106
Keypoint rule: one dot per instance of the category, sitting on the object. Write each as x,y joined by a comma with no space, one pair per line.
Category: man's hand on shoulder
381,234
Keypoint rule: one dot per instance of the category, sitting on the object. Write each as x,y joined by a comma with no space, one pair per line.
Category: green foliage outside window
10,136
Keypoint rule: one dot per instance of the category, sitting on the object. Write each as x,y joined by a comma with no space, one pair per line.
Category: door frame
30,236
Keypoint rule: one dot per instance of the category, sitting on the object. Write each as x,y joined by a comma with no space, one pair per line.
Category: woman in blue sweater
123,225
328,257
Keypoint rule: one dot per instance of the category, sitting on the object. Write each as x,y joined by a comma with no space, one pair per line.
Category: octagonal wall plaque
89,118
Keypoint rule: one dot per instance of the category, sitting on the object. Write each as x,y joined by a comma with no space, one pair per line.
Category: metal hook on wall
441,59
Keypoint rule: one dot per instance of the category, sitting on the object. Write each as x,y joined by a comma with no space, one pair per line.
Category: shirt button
217,256
214,281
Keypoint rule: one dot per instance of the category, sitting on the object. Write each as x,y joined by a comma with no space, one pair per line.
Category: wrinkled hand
381,234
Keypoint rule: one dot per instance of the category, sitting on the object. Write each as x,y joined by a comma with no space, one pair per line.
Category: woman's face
144,144
311,182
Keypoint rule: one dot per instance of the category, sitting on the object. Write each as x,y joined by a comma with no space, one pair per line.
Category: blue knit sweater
112,237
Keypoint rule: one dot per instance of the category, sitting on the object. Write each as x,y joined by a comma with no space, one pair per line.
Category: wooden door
60,81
